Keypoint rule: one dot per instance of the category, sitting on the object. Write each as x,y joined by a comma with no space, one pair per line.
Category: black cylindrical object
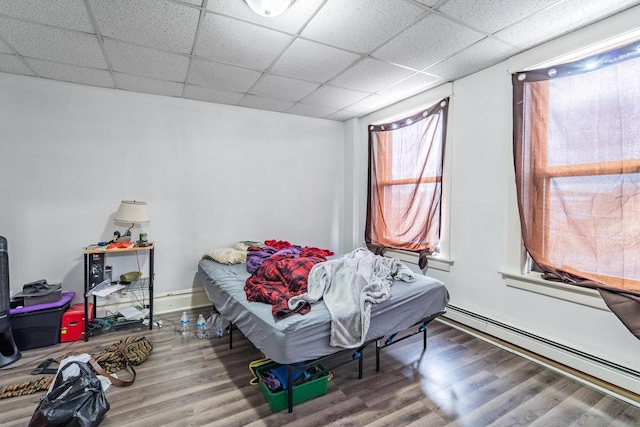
9,352
5,296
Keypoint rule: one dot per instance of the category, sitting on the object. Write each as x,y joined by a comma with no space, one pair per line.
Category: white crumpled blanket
349,285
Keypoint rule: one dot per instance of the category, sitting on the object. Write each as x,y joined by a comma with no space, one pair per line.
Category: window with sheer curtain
405,182
577,160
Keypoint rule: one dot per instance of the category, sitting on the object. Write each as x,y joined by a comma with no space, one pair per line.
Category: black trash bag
77,401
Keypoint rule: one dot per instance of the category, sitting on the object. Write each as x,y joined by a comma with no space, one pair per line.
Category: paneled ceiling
333,59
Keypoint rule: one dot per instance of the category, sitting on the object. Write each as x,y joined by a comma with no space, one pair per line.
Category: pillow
243,245
227,256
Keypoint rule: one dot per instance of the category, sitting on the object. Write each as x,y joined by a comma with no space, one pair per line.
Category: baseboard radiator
601,369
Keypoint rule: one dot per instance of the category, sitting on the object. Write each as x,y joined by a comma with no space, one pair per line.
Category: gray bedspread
298,337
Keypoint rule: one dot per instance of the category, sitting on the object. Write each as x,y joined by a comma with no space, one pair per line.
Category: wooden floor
460,381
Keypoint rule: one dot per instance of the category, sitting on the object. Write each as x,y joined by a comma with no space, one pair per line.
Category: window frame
604,35
440,259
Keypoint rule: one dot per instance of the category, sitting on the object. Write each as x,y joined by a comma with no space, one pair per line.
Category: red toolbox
72,327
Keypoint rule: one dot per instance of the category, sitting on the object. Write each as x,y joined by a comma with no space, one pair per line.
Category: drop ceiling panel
311,110
560,19
71,73
478,56
221,76
4,48
71,14
212,95
289,22
360,25
146,62
429,41
410,86
313,61
371,75
141,84
260,103
219,37
13,64
39,41
317,57
334,97
283,88
368,104
155,23
429,3
492,15
341,115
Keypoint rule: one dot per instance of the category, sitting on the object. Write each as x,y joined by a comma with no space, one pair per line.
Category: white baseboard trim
165,302
617,375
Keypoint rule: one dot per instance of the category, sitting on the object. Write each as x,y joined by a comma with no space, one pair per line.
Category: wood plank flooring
459,381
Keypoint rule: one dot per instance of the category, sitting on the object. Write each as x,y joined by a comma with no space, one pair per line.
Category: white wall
211,175
483,240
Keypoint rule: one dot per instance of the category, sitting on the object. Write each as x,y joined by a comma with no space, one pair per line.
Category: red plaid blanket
279,279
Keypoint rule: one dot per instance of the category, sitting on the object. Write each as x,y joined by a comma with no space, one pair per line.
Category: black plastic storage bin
39,328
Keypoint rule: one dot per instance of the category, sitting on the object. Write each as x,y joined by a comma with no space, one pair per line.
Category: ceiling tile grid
560,19
71,73
146,62
69,14
333,59
334,97
410,86
283,88
221,76
211,95
427,42
313,61
4,48
154,23
310,110
53,44
362,25
490,16
478,56
260,46
371,75
261,103
13,64
370,103
141,84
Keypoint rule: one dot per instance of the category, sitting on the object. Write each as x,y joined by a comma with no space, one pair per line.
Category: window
577,158
405,182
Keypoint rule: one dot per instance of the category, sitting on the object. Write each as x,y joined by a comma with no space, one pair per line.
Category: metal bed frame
381,343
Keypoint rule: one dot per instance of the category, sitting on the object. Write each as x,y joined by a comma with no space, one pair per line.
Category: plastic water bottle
184,321
200,332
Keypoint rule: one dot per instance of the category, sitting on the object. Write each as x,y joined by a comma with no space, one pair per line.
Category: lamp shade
269,8
132,211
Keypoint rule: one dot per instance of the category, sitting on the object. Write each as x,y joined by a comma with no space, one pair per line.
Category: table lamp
133,212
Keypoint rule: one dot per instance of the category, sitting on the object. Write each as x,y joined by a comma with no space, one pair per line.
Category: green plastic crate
301,392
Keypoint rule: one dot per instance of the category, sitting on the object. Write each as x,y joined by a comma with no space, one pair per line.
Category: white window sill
435,262
532,282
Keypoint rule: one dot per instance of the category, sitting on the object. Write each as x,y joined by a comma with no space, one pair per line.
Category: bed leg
424,338
360,365
290,388
230,335
377,355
